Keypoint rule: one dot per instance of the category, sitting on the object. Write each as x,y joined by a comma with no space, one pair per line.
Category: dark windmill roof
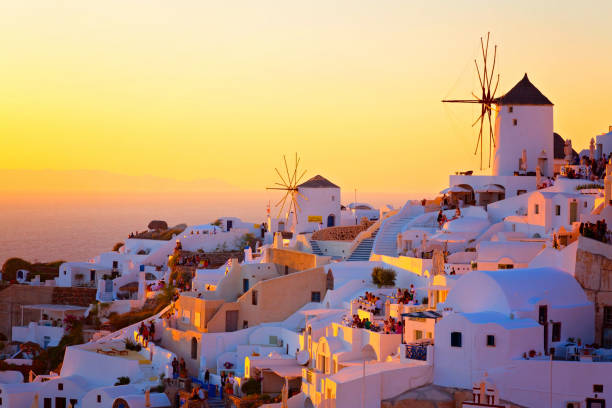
559,147
318,182
523,93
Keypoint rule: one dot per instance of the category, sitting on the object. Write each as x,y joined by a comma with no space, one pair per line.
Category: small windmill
288,184
485,100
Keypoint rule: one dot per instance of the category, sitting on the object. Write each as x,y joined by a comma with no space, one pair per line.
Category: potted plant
532,353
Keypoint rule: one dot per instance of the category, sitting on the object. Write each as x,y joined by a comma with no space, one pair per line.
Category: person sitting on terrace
197,394
378,306
457,213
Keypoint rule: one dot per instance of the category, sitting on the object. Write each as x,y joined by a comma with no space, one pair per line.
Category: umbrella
455,189
490,188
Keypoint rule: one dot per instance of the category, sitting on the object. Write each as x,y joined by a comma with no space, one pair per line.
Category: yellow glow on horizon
215,90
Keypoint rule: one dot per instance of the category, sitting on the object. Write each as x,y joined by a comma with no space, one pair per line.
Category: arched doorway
194,348
468,197
331,220
368,353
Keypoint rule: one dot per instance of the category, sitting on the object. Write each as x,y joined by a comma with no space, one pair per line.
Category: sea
73,227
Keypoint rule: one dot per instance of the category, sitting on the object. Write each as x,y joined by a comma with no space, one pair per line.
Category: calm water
76,228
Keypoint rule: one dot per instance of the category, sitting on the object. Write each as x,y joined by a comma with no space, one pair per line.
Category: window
245,324
536,209
607,314
542,314
505,266
60,387
597,388
196,319
194,348
333,198
557,210
99,398
286,269
60,402
490,340
519,192
455,339
418,334
245,285
585,204
315,297
510,109
514,122
254,297
47,403
273,340
556,331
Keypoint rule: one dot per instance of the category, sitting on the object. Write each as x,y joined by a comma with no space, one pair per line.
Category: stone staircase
315,248
216,402
386,241
363,251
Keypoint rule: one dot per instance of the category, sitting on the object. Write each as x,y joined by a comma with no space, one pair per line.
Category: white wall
36,334
80,362
533,132
528,382
320,202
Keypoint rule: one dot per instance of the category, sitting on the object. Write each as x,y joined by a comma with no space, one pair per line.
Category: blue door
331,220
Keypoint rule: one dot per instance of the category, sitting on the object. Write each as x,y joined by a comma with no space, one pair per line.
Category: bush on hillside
251,386
122,381
46,270
383,276
247,239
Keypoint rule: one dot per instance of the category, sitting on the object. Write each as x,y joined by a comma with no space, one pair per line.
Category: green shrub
383,276
251,386
122,381
130,345
589,186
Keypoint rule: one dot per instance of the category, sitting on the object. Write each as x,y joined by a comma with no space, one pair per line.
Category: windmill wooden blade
296,205
287,170
486,75
297,163
282,199
281,177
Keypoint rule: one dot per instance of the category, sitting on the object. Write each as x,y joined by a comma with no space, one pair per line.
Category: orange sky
220,90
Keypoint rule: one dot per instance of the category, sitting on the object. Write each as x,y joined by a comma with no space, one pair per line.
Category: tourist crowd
147,332
598,231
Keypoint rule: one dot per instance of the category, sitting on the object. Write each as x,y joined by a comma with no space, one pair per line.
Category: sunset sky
221,89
